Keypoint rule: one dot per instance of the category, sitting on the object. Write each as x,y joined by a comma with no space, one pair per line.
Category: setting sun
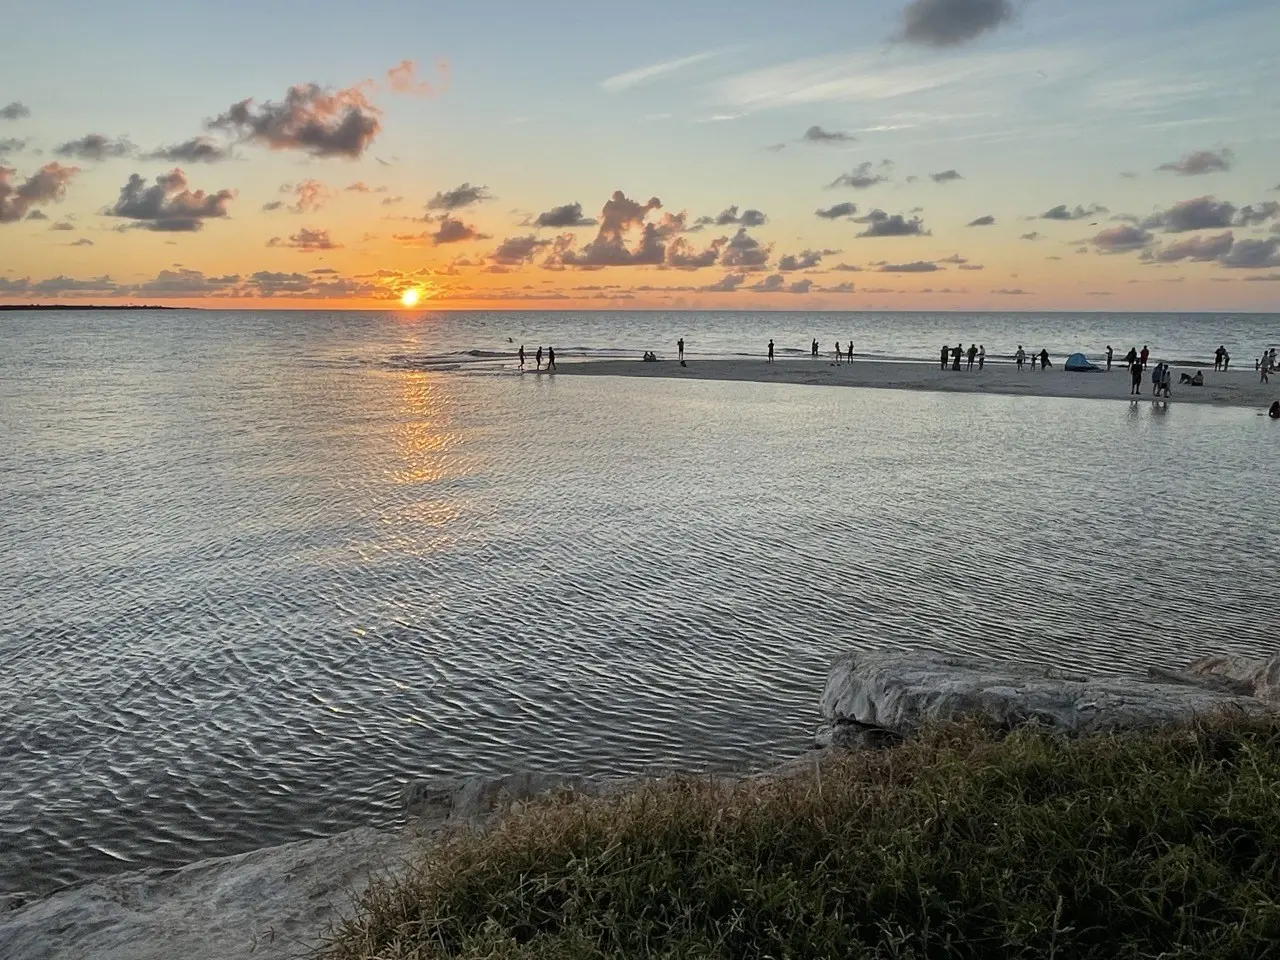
410,297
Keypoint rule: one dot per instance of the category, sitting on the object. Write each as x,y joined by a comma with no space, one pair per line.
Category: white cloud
642,75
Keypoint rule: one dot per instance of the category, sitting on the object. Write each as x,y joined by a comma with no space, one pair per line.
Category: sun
410,297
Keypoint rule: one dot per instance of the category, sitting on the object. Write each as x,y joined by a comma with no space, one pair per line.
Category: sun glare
410,297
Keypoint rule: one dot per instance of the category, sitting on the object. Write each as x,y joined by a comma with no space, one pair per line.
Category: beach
1235,388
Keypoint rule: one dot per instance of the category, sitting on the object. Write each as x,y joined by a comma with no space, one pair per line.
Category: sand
1237,388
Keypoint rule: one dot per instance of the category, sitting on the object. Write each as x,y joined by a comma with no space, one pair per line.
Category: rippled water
258,572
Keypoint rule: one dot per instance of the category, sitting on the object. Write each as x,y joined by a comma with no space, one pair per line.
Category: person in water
771,350
1217,358
1020,357
551,358
522,356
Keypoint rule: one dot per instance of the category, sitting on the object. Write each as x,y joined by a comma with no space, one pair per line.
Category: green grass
961,844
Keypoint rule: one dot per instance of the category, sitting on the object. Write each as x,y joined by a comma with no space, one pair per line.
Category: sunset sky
931,155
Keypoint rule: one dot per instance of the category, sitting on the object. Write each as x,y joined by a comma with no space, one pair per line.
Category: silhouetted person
771,350
1135,378
1130,358
551,358
837,353
1044,359
851,351
680,347
1109,353
1217,358
946,352
522,356
982,355
813,348
955,356
1226,361
1143,356
1274,410
972,355
538,357
1020,357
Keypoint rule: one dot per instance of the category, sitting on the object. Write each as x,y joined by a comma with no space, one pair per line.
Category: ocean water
261,569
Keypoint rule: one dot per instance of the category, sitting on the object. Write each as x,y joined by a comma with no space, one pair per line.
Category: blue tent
1078,363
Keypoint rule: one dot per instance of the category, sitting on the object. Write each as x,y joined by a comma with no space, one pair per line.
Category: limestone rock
899,692
1258,678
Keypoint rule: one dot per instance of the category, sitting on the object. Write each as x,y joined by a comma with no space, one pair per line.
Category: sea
258,570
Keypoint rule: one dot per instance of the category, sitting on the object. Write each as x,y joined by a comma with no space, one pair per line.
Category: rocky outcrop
900,692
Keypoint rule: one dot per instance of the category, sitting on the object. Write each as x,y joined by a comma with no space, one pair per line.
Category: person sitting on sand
1196,381
1274,411
1044,359
650,357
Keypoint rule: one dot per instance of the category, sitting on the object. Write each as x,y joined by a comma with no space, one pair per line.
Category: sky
856,155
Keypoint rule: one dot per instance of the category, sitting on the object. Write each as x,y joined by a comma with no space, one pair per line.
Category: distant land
87,306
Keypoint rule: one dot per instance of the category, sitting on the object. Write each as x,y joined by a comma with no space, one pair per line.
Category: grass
961,844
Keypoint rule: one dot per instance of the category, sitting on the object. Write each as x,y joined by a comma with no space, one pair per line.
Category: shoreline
1234,388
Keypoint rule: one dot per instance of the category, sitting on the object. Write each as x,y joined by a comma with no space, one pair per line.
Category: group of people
840,353
551,357
1021,356
976,353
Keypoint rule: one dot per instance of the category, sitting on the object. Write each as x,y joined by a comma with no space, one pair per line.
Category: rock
1258,678
475,800
899,692
267,904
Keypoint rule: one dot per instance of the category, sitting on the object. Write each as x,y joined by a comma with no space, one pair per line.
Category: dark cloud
917,266
14,111
391,201
804,260
770,284
859,178
195,150
63,225
1253,254
1200,162
840,210
682,256
465,195
308,240
744,252
954,258
845,287
1032,236
323,271
514,251
1122,239
1063,212
323,123
266,283
37,215
1252,216
800,286
12,145
729,283
82,242
1196,248
452,230
46,185
619,216
847,268
168,205
272,205
1014,292
946,176
947,23
183,282
1201,213
568,215
95,146
816,134
730,216
984,221
881,224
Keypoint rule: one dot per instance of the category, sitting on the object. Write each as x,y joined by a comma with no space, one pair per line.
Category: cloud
1063,212
744,252
402,78
465,195
946,176
308,240
1014,292
845,287
1200,162
1122,239
63,225
729,283
805,260
816,134
185,282
770,284
452,230
1033,236
323,123
1201,213
12,145
954,258
1253,254
195,150
730,216
1197,248
983,221
82,242
642,75
514,251
567,215
682,256
168,205
881,224
859,178
972,266
775,147
94,146
619,216
948,23
1264,278
391,201
46,185
917,266
847,268
37,215
1251,216
15,111
309,195
837,212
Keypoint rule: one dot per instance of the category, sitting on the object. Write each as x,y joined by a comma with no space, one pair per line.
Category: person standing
1226,360
1130,358
1020,357
1143,356
1044,359
973,352
851,351
771,350
680,347
1265,366
1217,358
1109,354
982,355
813,348
946,350
522,356
955,356
1135,377
551,358
538,357
837,353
